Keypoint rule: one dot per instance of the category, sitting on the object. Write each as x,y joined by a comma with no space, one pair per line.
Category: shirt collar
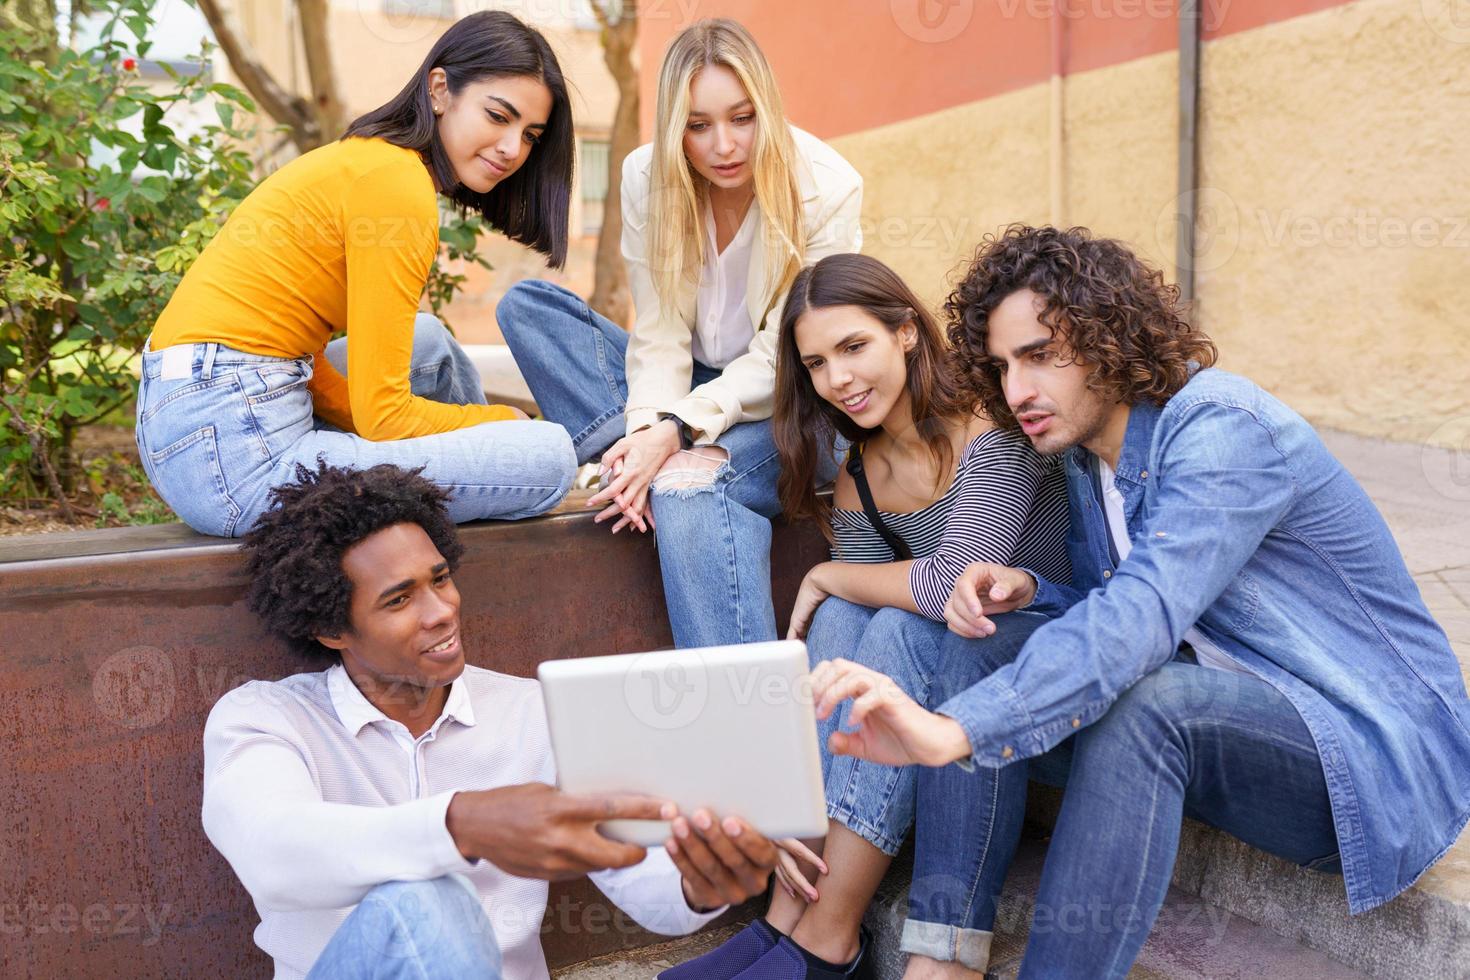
356,712
1138,439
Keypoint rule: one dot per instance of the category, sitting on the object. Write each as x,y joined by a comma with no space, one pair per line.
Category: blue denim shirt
1244,524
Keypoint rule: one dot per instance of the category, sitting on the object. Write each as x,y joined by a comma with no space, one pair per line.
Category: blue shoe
729,958
786,962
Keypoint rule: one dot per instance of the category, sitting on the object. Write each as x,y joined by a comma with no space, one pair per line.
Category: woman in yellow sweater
240,385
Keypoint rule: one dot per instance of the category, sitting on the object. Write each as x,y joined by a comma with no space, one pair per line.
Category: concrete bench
115,644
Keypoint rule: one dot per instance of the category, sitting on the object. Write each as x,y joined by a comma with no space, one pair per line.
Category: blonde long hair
677,194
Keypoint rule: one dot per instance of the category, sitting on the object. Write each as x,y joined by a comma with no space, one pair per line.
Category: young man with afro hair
394,814
1241,642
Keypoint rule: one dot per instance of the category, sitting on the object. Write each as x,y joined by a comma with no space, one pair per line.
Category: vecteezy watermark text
96,919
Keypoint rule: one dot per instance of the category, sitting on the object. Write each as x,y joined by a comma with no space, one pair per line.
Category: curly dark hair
1113,311
294,553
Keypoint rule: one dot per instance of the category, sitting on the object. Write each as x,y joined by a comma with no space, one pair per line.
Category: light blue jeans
413,930
216,441
714,540
874,801
881,804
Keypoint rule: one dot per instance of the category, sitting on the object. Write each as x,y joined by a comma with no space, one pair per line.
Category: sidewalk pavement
1424,494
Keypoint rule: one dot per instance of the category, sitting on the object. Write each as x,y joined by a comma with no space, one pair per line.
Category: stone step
1191,940
648,961
1424,934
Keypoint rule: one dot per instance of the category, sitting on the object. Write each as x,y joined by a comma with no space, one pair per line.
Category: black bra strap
860,480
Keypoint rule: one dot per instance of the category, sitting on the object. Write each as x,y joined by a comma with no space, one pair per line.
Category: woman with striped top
944,487
929,488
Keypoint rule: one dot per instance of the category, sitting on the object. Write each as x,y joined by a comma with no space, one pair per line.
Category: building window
593,167
443,9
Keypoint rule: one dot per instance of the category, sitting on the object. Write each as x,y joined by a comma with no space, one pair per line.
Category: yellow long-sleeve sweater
341,238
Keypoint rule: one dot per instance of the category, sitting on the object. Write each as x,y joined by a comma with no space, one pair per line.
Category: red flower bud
130,64
103,203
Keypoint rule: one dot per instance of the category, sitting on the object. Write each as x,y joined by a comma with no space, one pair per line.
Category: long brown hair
803,422
530,206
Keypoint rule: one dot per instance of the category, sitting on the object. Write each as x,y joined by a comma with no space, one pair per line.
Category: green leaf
226,113
233,94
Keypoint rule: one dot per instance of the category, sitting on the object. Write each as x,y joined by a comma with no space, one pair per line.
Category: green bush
97,224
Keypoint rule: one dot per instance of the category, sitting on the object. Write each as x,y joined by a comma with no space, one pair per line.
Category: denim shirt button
1107,574
1076,722
1007,752
1143,475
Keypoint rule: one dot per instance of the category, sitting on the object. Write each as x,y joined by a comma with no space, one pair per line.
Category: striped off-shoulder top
1007,504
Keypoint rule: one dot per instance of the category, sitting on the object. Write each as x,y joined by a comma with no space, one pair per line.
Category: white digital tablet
731,729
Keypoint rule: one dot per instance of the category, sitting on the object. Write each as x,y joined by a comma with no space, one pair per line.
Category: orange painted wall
850,65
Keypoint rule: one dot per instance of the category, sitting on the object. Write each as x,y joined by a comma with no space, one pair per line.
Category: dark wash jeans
1221,747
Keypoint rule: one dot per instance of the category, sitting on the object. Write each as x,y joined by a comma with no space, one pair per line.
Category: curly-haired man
1242,643
392,815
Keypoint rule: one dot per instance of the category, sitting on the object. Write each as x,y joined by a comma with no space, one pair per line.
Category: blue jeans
1224,748
714,539
413,930
217,440
949,893
874,801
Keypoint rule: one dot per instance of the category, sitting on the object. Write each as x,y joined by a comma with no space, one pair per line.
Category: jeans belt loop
207,370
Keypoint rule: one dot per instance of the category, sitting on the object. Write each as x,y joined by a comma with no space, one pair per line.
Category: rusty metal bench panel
110,660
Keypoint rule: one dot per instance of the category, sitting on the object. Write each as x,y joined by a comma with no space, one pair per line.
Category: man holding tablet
395,815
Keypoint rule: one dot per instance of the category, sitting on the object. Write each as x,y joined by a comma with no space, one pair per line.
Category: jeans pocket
188,475
278,404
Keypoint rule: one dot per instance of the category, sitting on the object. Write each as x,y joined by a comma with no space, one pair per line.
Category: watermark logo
135,687
403,917
1216,227
665,693
1211,12
932,21
1363,228
1450,19
1448,469
405,21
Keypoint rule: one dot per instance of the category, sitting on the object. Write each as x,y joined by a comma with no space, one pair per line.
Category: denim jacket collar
1132,469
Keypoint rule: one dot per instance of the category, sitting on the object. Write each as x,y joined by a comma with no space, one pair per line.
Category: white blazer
660,363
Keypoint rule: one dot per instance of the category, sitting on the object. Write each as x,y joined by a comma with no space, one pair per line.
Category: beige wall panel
934,185
1334,228
1337,267
376,53
1122,126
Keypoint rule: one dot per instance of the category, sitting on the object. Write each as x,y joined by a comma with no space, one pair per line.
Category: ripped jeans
714,537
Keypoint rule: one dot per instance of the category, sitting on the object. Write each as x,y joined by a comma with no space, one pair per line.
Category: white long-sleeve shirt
723,329
314,796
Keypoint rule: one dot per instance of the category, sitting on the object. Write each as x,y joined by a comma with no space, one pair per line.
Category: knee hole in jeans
691,471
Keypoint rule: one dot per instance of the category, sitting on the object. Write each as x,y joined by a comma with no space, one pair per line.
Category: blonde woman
720,212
